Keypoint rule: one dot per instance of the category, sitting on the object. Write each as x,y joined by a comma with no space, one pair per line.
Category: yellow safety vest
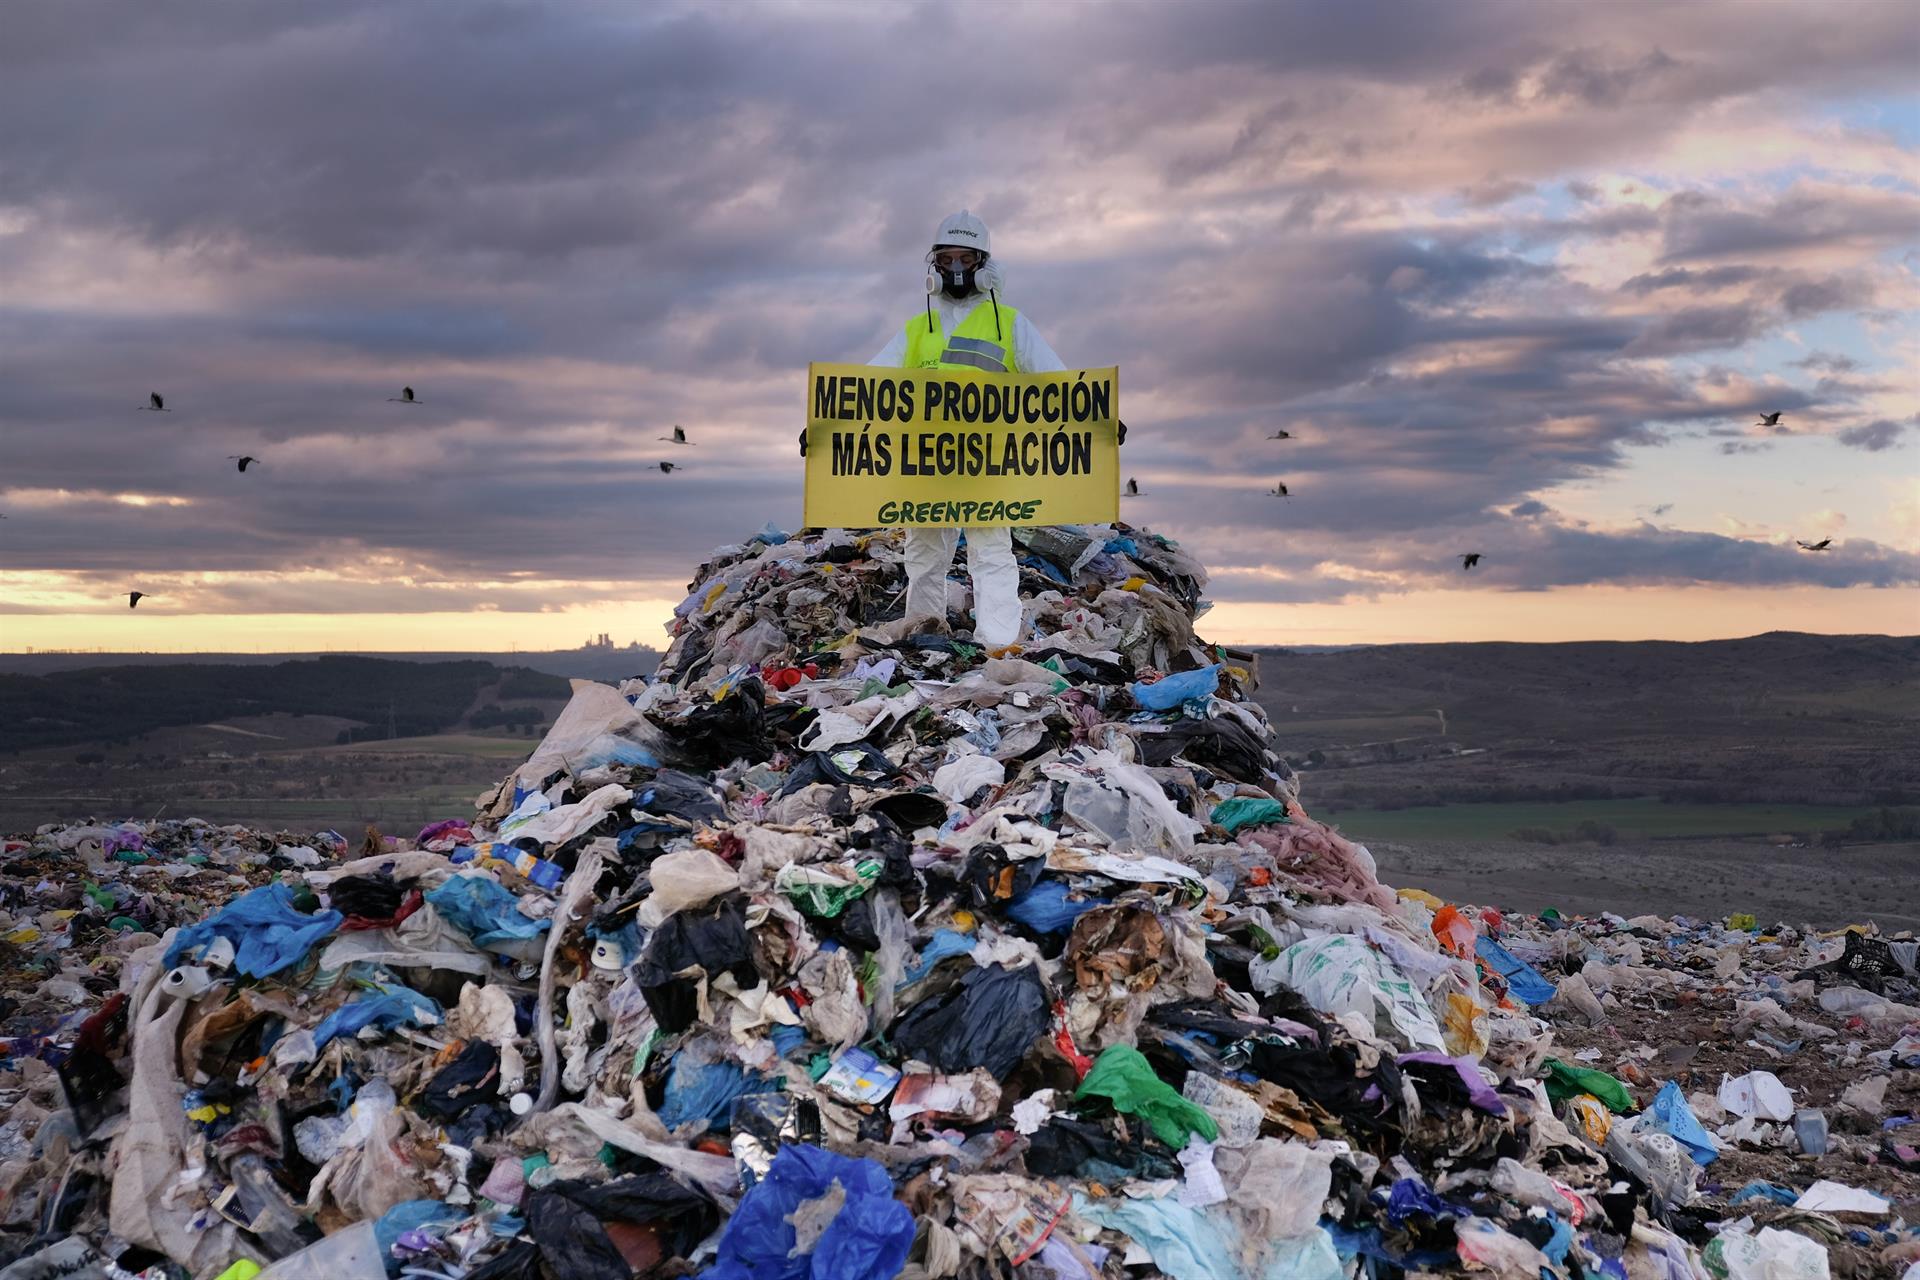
974,344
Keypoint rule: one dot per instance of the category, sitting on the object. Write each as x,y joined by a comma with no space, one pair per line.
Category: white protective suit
990,559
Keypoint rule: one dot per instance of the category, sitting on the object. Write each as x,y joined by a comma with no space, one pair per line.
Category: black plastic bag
374,897
1223,744
470,1079
715,734
989,1020
686,1216
681,795
571,1240
714,938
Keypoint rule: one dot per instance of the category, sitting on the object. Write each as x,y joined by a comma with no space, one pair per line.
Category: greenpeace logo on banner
945,447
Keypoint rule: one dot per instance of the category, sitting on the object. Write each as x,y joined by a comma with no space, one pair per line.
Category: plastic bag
712,939
686,878
958,779
1170,691
1523,981
853,1227
1768,1254
484,910
1122,1077
1565,1080
1758,1094
1049,907
1248,811
1338,973
267,933
988,1020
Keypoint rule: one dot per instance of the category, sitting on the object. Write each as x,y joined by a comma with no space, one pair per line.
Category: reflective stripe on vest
974,343
977,352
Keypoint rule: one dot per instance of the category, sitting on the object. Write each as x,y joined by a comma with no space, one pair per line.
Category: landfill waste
843,948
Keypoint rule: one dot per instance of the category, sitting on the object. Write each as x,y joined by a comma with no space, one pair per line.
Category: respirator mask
945,274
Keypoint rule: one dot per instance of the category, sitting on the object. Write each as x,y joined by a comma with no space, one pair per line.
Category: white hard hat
963,231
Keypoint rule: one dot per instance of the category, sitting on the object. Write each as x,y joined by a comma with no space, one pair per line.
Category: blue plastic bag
867,1239
385,1007
1523,980
1046,908
1676,1117
268,935
1170,691
705,1091
943,943
483,910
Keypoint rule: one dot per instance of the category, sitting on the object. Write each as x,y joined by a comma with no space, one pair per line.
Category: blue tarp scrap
1522,979
485,911
268,935
385,1007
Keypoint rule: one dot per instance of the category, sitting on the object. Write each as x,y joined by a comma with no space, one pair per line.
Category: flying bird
1821,545
1281,435
668,468
405,397
243,460
679,435
1769,420
134,598
1133,488
1470,559
1279,491
156,403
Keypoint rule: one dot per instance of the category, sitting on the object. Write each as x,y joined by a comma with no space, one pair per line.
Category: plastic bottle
538,871
1810,1127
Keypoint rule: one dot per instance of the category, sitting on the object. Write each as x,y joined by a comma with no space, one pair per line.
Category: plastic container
1810,1128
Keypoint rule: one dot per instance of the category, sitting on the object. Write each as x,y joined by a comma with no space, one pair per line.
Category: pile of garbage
845,949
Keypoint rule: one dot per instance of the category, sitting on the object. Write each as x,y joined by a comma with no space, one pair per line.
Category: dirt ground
1703,878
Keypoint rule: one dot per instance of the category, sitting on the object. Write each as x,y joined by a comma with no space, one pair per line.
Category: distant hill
1782,716
117,703
605,663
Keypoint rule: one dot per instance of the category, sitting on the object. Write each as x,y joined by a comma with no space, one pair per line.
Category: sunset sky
1519,277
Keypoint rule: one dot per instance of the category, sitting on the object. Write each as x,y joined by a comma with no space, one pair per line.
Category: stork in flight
156,403
243,459
668,468
1281,435
679,435
1470,559
1280,490
1821,545
1769,420
1133,487
135,597
405,397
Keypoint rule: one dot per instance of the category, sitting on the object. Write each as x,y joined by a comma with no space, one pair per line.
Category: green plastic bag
1567,1081
1248,811
821,893
1123,1077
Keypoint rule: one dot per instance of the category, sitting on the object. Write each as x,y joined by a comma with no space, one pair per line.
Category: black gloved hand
1123,434
803,444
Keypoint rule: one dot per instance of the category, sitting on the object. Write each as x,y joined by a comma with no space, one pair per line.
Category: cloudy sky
1519,278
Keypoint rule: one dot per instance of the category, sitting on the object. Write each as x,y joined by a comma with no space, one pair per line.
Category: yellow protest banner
888,447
